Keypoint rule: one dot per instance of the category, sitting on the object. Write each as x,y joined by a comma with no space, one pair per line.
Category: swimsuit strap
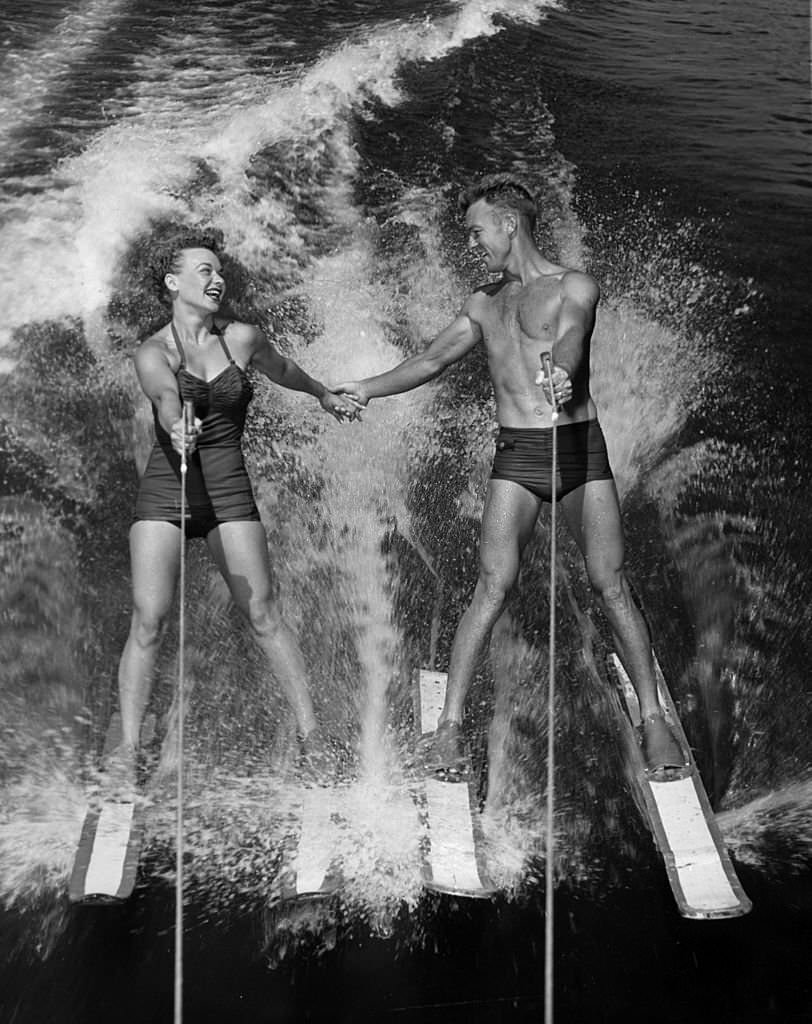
181,353
221,337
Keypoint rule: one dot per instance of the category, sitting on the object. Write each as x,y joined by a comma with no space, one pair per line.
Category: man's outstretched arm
450,345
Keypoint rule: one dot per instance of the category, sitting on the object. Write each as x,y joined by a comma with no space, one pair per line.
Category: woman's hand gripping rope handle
189,430
188,436
547,367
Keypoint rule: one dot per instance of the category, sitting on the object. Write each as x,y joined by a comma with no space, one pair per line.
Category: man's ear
171,282
511,223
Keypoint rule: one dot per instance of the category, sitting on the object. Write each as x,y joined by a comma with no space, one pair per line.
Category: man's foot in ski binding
662,752
443,753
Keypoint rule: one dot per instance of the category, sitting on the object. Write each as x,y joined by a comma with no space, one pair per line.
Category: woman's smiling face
198,281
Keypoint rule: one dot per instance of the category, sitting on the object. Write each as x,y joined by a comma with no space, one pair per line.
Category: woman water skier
202,358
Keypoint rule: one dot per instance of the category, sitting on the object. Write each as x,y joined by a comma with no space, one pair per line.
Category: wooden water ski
454,862
314,868
106,863
679,813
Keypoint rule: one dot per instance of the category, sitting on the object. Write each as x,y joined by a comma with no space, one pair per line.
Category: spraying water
373,529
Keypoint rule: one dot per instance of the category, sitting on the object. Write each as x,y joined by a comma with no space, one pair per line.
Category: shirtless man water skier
534,307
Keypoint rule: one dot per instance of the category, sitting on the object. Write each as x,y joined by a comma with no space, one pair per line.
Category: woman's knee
147,625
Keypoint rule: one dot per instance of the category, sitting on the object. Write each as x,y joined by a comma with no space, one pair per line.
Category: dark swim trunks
217,486
524,455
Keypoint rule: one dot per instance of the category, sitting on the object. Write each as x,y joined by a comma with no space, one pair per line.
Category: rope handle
188,427
547,367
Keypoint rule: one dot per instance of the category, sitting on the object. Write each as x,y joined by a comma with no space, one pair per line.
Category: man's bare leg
507,525
592,513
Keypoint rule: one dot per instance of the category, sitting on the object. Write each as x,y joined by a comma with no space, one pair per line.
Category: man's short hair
504,192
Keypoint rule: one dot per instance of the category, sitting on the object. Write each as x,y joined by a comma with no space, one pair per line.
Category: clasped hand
343,407
353,392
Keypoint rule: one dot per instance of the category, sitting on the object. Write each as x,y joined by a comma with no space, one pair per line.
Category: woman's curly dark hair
140,296
167,254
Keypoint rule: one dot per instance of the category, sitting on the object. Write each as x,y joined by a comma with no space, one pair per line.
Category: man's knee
610,586
263,617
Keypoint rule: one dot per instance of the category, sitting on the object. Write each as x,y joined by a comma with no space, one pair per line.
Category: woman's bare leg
155,560
241,552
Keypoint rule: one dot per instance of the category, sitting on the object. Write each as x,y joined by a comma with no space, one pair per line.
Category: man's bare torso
519,323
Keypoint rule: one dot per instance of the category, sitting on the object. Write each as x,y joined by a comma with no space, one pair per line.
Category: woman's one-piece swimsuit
217,486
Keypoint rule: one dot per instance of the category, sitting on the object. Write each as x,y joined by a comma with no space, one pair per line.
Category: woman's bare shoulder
243,339
156,348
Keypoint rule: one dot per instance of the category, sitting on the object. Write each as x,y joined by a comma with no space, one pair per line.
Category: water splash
740,578
772,833
274,164
43,713
68,239
40,824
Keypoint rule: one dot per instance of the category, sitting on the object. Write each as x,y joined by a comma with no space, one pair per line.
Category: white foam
60,247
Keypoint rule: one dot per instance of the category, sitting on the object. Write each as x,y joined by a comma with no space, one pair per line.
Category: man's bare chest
527,313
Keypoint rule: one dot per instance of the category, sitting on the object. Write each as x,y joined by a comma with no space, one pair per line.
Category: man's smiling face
488,232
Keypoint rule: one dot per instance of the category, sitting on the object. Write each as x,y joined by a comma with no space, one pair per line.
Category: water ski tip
454,859
314,869
700,872
106,862
105,867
